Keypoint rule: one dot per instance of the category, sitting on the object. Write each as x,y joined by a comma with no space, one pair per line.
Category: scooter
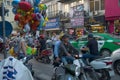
66,72
98,69
44,56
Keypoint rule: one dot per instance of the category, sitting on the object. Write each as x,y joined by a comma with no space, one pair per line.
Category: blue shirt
56,48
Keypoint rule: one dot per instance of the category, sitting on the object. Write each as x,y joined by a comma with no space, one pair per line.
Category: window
102,4
96,5
91,5
66,8
53,10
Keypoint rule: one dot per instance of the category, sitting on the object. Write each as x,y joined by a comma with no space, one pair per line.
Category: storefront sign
77,16
75,22
52,23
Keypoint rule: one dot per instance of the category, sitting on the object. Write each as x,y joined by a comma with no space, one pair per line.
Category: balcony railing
53,14
58,14
66,1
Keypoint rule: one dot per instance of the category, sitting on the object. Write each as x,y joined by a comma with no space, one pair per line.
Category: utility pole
3,19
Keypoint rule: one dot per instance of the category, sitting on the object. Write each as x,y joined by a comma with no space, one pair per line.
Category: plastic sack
13,69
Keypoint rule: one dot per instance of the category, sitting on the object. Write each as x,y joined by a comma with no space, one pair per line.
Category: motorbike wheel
93,75
117,67
105,75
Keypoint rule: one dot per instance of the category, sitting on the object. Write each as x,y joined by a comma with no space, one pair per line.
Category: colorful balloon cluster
30,14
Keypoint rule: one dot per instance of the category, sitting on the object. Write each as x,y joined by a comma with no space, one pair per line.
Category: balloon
42,6
33,16
17,17
36,2
46,19
44,24
15,3
38,16
14,10
41,23
25,6
27,27
36,10
34,24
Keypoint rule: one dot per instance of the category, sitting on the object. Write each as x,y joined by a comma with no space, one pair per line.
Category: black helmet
90,35
65,36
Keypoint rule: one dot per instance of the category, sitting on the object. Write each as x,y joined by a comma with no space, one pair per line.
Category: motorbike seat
94,58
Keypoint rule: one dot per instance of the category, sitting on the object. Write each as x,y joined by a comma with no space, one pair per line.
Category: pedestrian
22,45
42,42
54,39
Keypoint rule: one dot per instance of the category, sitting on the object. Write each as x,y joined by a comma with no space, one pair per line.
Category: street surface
45,71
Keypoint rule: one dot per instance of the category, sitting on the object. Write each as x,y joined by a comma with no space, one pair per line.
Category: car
106,43
116,61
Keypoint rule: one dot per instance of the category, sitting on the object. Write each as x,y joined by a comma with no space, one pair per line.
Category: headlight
77,71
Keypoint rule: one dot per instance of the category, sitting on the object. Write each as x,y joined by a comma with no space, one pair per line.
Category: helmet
42,36
90,35
64,36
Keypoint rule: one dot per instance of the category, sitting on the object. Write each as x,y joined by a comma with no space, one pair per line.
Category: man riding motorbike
65,50
92,47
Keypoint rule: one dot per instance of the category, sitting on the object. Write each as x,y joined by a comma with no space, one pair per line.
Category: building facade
10,16
93,12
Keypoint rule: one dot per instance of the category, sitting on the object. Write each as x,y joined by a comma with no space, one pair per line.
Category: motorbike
66,72
98,69
44,56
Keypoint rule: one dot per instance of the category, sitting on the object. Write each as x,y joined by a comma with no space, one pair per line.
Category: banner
77,16
52,23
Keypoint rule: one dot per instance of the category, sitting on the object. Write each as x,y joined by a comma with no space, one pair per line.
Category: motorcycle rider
92,47
66,50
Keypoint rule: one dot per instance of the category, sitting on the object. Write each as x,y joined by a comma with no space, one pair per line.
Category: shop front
96,24
112,13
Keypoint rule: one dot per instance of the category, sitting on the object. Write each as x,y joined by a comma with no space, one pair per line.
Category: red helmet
42,36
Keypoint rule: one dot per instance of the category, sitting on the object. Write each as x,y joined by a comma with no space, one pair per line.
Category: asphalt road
45,71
